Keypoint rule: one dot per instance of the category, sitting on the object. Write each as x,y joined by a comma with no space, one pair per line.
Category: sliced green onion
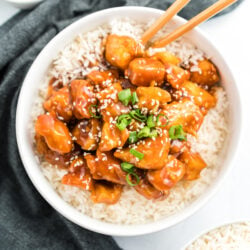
134,98
153,133
127,167
144,132
133,137
137,115
123,121
151,122
158,122
136,153
125,96
176,132
91,113
128,179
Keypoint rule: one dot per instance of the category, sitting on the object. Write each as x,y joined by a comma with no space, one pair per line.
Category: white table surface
231,35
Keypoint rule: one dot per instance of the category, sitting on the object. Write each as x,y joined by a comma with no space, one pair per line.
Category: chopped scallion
127,167
123,121
130,175
125,96
134,98
137,115
151,121
177,132
158,120
136,153
133,137
144,132
93,114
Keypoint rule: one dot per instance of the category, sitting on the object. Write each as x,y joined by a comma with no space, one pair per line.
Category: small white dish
24,4
29,92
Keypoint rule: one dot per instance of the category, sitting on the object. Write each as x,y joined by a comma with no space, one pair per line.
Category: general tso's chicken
164,56
178,146
112,137
194,164
86,133
155,151
206,75
198,95
78,175
53,157
83,98
111,110
103,78
55,133
109,94
184,113
120,50
142,71
152,97
106,192
176,75
168,176
148,191
59,103
104,166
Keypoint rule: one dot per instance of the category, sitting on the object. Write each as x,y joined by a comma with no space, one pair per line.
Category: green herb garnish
144,132
133,137
136,153
134,98
125,96
158,120
177,132
137,115
91,113
151,121
127,167
128,179
123,121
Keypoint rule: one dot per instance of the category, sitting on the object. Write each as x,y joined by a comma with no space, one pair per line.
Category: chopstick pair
174,9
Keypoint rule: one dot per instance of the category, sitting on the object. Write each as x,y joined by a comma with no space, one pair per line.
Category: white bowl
29,92
24,4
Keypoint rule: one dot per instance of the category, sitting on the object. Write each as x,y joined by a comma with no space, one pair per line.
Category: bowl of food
233,235
122,139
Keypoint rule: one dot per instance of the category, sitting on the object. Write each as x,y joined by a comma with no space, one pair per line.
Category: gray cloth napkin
26,220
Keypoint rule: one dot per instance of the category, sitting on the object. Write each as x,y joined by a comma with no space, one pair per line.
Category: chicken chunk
164,56
145,189
176,75
106,192
155,151
59,103
110,93
142,71
104,166
198,95
79,175
112,137
168,176
152,97
103,78
207,73
178,146
194,164
55,133
184,113
83,98
53,157
120,50
86,133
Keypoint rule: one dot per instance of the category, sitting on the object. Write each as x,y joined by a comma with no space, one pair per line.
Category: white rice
234,236
133,208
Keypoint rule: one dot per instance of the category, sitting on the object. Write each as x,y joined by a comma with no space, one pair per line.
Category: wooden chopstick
201,17
160,22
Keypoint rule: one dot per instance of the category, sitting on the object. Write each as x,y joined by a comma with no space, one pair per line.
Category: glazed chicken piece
103,78
83,98
112,137
106,192
120,50
168,176
206,75
145,189
178,146
86,133
59,104
176,75
54,158
198,95
155,151
143,71
110,93
55,133
184,113
152,97
164,56
194,164
78,175
104,166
